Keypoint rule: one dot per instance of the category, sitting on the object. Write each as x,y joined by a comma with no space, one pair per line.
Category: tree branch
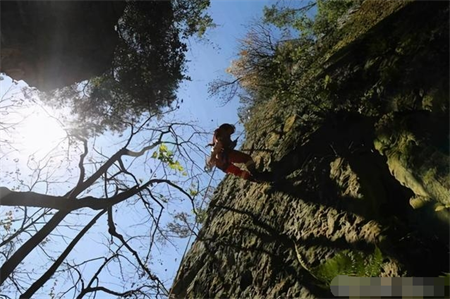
112,230
81,166
91,180
108,291
11,264
122,152
47,275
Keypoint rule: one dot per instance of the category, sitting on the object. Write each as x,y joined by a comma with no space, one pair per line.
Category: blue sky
208,61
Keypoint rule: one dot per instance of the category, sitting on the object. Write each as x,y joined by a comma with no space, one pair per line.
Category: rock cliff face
367,190
51,44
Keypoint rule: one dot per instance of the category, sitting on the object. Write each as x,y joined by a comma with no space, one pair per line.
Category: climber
223,156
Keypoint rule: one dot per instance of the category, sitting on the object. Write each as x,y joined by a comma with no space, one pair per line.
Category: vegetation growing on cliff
353,74
353,122
278,53
351,263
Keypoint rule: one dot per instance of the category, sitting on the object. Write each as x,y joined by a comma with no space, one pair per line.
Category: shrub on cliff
276,54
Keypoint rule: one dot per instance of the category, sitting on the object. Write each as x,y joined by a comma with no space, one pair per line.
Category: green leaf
163,148
351,263
193,192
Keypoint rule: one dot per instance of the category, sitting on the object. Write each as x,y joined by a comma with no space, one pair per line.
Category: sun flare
39,131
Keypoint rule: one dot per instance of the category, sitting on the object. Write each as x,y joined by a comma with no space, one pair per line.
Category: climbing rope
195,226
196,214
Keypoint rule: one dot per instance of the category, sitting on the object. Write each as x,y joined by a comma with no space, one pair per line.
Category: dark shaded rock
52,44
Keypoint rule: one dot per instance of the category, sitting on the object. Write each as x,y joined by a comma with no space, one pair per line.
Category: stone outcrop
52,44
363,184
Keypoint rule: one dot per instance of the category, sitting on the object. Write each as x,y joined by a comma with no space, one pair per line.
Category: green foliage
288,17
351,263
147,68
193,192
312,20
148,63
270,69
192,13
328,14
201,215
167,156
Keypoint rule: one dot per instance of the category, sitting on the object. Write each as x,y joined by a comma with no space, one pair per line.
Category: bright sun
39,131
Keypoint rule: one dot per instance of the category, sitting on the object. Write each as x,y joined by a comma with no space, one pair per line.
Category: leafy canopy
148,65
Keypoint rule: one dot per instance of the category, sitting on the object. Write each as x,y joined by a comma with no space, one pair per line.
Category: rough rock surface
52,44
352,184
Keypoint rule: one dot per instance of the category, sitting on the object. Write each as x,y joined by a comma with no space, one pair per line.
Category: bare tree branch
48,274
101,182
112,230
81,166
11,264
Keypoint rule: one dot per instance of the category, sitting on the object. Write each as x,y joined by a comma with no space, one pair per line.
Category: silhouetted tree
148,65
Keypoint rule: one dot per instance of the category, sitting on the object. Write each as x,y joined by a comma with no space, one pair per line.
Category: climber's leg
233,169
240,157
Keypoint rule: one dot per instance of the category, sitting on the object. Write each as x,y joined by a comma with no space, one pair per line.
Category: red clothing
225,163
223,155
